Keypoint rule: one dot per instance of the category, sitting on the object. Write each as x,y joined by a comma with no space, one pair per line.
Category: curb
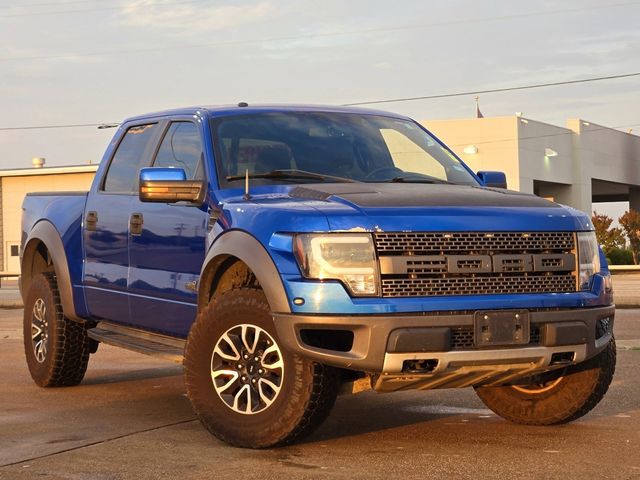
11,304
623,301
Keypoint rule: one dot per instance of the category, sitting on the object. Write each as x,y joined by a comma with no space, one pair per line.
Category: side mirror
169,185
493,179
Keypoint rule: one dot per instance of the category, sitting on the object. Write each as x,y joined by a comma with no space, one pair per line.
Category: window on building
130,157
15,250
181,148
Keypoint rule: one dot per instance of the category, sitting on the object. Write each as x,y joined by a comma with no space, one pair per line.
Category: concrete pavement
129,419
10,295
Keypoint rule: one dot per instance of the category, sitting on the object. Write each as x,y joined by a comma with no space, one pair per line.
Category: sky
91,61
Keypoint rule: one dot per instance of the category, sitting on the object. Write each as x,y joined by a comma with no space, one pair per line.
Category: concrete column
580,195
634,198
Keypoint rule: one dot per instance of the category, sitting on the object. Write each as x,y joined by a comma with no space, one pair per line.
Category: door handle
91,221
135,223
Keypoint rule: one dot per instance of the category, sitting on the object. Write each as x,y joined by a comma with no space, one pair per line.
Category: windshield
347,146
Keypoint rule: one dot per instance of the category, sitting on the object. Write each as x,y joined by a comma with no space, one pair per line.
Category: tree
608,238
630,223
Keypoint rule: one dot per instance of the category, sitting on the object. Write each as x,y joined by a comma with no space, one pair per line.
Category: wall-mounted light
524,120
550,152
470,150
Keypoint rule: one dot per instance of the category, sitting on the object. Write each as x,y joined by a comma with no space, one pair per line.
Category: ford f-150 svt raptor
281,252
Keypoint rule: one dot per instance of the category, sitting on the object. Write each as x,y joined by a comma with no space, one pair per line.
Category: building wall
496,139
605,154
13,190
535,139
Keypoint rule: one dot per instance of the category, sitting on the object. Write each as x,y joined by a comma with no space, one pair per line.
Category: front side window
130,157
181,148
348,146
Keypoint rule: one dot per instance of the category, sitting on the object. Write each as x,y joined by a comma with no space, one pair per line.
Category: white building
577,165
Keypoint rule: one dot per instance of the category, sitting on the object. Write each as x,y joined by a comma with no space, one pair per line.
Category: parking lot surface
130,419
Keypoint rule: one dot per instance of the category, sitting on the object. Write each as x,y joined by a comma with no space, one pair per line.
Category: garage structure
15,184
577,165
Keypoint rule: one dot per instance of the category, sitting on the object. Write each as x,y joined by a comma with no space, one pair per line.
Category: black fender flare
44,232
246,248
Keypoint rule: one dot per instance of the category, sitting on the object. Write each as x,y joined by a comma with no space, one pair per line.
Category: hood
433,207
394,207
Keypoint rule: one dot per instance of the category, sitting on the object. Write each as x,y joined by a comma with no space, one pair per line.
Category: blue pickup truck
284,254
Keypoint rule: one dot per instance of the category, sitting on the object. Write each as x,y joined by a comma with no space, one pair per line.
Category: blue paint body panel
143,280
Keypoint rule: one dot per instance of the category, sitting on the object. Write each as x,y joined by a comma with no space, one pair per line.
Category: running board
140,341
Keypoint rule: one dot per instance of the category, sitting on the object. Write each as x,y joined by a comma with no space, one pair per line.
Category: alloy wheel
39,330
247,369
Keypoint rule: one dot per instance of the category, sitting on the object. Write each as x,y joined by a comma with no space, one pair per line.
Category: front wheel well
225,273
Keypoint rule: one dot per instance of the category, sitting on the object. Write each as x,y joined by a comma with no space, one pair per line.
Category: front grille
475,263
462,337
418,243
480,285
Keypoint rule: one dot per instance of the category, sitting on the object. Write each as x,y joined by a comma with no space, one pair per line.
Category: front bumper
378,344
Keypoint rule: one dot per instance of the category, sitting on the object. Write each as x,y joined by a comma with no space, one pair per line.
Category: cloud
186,18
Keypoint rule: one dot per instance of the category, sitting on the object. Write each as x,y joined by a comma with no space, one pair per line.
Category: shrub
619,256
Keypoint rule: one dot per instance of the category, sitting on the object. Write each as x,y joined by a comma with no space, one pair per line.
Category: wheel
244,387
559,397
57,349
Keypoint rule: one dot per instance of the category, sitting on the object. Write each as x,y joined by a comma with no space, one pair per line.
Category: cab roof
243,109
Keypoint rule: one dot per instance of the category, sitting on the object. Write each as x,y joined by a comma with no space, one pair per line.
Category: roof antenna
246,195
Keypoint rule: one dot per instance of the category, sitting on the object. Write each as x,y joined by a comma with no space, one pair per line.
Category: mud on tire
303,391
57,349
562,400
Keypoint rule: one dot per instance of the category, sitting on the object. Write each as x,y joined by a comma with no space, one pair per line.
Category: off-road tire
580,389
67,347
308,390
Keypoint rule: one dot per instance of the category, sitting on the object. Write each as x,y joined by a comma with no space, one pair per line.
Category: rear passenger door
168,251
106,225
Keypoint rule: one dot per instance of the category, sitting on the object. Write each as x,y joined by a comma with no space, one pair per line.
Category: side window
181,148
122,176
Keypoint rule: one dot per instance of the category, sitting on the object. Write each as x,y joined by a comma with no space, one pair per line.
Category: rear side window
181,148
130,157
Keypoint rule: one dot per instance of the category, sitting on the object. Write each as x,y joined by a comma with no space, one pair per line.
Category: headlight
349,258
589,258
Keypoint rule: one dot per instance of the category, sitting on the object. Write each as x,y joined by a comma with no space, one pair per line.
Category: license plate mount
501,328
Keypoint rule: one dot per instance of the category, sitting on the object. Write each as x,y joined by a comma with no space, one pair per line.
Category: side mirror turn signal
169,185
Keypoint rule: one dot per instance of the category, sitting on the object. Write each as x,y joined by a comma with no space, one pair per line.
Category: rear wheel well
36,259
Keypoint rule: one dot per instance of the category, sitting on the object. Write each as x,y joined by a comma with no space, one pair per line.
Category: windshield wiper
420,179
292,174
